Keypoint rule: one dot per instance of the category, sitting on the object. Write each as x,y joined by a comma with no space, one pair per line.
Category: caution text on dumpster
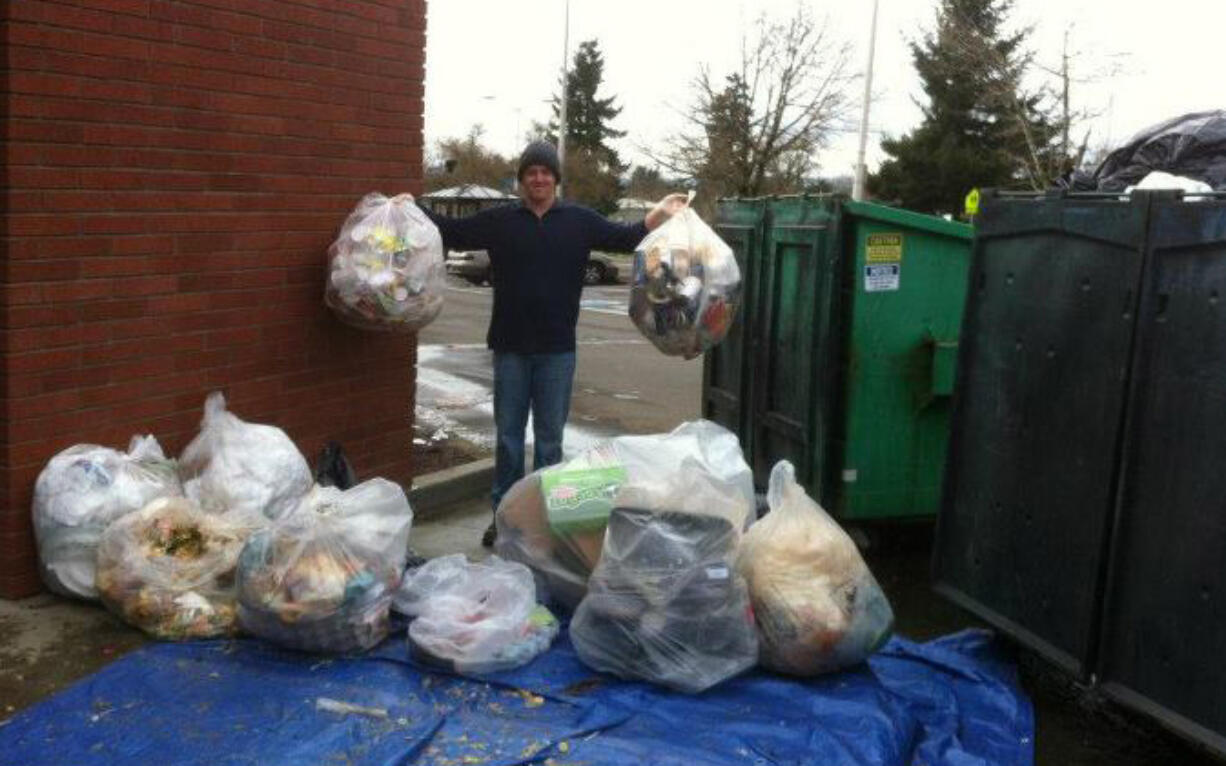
883,248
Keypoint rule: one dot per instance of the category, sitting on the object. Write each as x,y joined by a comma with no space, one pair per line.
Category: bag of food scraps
818,607
475,618
322,578
386,267
686,286
79,493
240,467
554,519
169,568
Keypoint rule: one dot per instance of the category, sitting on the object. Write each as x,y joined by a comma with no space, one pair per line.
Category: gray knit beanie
540,153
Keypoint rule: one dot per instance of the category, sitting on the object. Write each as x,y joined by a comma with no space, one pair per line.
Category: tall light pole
562,111
857,189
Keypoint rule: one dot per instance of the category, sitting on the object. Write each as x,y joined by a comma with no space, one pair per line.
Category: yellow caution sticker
883,248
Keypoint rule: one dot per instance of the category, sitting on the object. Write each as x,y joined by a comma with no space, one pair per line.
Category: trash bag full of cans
386,269
686,286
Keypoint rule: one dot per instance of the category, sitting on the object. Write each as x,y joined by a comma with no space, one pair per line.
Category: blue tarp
950,701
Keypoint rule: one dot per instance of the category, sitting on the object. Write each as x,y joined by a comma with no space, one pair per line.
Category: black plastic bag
334,469
1192,145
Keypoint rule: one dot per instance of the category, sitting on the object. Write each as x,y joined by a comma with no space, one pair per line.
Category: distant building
465,199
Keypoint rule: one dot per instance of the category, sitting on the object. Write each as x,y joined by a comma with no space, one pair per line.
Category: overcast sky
496,62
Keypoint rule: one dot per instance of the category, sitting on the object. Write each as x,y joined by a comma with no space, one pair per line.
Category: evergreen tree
589,131
980,127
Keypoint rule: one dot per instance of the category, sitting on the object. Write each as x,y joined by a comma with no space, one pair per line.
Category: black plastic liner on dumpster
1192,145
1082,505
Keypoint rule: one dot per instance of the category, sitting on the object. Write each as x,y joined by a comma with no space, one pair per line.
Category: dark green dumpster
850,331
1083,510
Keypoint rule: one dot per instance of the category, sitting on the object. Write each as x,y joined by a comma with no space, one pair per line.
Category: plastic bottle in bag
818,606
386,270
686,286
79,493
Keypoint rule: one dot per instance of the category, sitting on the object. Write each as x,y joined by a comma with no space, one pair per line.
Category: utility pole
565,82
857,189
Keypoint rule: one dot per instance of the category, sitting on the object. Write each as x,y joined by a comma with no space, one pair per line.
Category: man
538,251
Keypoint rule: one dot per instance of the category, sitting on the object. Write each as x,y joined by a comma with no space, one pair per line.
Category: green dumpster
849,333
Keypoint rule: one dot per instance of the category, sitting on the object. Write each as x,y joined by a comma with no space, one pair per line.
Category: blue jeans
539,383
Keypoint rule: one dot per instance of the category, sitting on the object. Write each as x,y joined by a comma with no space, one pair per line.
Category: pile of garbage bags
386,267
80,492
233,536
475,618
553,520
652,542
169,568
685,287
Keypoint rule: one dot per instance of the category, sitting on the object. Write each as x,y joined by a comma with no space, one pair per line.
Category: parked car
474,266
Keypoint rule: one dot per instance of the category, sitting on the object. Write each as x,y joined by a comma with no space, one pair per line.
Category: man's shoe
491,534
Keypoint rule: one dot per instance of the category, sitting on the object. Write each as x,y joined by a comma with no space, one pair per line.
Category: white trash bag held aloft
386,269
686,286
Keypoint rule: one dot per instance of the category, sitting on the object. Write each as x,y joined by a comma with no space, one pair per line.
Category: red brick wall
175,173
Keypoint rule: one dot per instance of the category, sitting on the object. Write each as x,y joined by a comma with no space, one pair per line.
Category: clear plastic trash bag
169,568
686,286
79,493
240,467
475,618
665,603
553,520
309,582
386,269
818,607
377,515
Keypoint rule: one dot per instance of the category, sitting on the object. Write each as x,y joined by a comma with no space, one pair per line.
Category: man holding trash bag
538,250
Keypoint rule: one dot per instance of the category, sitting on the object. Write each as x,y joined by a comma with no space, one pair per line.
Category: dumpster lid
910,219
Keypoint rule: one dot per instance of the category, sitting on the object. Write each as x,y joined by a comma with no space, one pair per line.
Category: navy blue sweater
538,268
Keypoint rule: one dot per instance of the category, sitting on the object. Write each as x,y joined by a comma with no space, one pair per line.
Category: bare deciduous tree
758,129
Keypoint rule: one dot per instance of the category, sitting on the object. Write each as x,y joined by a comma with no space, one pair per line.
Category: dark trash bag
334,469
664,604
1192,146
